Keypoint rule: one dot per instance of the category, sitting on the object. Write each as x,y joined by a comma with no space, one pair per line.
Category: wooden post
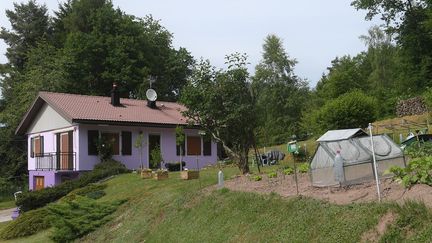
295,174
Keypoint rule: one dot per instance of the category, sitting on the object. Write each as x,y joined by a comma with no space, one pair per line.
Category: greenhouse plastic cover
356,153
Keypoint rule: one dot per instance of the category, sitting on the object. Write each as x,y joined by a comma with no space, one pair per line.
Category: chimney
115,95
151,104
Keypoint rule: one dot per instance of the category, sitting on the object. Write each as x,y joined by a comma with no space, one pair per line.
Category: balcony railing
56,161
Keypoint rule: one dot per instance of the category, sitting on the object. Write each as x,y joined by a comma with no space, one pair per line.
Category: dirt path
391,191
5,214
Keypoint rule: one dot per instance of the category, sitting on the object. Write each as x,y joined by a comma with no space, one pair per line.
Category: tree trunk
243,163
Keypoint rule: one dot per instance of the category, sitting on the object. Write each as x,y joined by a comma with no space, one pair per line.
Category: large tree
104,45
280,94
221,102
410,21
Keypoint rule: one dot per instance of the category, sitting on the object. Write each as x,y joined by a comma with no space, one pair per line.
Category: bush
74,219
303,168
354,109
272,174
27,223
288,171
174,166
36,199
418,171
419,149
93,191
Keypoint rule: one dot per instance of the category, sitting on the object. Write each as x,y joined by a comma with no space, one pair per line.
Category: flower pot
189,174
160,175
145,174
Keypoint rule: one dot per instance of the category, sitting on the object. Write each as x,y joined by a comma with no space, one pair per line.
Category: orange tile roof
85,108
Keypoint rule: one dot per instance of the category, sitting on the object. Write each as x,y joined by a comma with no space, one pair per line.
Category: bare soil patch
374,234
366,192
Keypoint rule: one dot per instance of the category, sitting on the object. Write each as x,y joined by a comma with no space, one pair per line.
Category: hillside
178,211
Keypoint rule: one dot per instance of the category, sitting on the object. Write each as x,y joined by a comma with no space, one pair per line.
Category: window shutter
193,145
207,146
92,137
32,148
41,149
126,143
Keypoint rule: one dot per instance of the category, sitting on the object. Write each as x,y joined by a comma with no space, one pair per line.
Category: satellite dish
151,95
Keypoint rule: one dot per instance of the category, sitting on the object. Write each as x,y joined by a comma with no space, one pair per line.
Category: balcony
56,161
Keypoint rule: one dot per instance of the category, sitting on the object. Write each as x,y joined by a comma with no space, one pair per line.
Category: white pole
374,163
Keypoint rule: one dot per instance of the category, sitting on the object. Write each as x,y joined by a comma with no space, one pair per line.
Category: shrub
27,223
419,149
104,148
36,199
93,191
73,219
303,168
353,109
256,177
418,171
272,174
174,166
288,171
156,157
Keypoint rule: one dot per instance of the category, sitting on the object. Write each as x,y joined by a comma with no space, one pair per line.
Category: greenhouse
355,149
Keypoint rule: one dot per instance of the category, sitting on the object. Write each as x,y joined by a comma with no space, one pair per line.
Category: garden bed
366,192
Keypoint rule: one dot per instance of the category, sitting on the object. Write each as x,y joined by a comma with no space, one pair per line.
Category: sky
314,32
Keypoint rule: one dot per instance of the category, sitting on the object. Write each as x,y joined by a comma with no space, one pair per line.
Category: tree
222,104
410,21
30,24
280,94
346,74
105,45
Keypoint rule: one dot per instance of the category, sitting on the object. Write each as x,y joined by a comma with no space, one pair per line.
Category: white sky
314,31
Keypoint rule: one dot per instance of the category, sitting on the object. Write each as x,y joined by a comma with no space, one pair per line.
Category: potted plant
156,158
160,174
146,173
189,174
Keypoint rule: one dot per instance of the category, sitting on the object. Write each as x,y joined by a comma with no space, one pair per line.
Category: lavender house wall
86,162
168,147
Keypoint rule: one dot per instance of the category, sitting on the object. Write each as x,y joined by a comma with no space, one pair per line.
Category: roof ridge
99,96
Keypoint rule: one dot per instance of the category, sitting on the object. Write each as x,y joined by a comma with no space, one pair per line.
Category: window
92,139
126,143
207,146
193,145
36,146
112,138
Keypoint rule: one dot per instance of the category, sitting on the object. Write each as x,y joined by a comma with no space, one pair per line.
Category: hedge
36,199
174,166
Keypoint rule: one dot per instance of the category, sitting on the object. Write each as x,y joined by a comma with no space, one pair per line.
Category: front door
39,182
154,143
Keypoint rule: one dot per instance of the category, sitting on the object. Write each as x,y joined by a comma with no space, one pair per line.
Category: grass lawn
177,211
7,204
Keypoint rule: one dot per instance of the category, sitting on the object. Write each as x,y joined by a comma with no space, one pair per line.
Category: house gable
47,119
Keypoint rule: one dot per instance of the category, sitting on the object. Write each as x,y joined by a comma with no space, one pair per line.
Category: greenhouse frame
355,149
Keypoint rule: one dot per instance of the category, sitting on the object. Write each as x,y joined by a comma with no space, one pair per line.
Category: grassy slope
174,211
177,211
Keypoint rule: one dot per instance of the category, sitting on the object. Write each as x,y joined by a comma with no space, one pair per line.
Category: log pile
412,106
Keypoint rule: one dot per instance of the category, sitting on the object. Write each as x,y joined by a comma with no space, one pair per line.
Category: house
354,146
62,131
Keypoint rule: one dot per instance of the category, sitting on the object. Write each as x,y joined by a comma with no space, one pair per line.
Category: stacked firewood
413,106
